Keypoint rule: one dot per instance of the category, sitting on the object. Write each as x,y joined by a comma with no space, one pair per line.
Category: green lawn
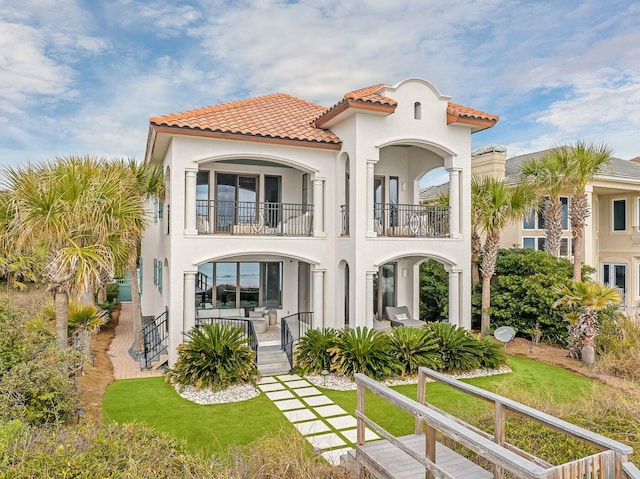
532,376
212,428
207,429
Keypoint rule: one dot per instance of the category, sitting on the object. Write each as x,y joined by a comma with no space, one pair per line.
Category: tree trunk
476,246
61,308
102,294
578,238
87,296
553,226
486,303
588,353
136,312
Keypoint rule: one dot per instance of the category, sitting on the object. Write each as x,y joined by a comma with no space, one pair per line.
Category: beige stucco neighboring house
612,234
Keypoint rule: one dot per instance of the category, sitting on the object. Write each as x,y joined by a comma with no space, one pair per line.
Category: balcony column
368,318
454,202
318,298
318,207
370,206
454,295
190,201
189,303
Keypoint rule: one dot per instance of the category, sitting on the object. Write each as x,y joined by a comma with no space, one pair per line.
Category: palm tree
76,209
547,174
144,182
585,161
589,299
495,205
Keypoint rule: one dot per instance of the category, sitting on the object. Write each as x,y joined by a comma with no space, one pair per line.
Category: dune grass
211,429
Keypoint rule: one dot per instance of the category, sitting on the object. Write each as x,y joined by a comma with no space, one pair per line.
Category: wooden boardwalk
385,461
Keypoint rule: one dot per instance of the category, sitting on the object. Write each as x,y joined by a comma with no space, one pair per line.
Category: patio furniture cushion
392,311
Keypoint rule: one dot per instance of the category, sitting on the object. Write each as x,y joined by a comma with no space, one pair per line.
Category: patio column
454,295
190,202
454,202
318,298
318,207
189,303
370,206
368,318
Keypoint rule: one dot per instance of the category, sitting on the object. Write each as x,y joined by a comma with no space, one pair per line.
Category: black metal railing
292,328
423,221
254,218
344,209
155,337
246,325
168,223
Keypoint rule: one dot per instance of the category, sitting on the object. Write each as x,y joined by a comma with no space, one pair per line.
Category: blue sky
85,76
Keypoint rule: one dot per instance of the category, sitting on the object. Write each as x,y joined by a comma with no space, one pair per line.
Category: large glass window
239,285
272,199
384,288
236,198
305,192
378,198
619,215
393,200
535,219
564,202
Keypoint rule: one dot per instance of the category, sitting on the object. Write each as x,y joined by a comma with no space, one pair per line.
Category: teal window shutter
160,276
155,271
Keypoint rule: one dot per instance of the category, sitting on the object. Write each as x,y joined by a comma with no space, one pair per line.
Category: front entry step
272,360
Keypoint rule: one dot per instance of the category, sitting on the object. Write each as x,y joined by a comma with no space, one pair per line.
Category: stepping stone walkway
322,422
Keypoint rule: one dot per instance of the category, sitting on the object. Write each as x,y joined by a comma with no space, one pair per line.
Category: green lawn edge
210,429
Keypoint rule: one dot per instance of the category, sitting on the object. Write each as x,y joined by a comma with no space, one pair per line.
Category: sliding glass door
236,197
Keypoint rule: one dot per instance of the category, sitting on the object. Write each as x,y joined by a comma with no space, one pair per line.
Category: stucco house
612,233
275,204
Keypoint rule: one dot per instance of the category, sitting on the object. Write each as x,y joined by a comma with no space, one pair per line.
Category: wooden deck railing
444,424
608,464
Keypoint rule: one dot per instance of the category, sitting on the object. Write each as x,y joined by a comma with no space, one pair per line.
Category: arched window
417,110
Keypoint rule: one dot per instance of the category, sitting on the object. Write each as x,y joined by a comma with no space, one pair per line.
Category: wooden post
430,449
422,382
360,408
498,435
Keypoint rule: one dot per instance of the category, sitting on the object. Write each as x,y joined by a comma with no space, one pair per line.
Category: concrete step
269,349
160,362
273,369
273,358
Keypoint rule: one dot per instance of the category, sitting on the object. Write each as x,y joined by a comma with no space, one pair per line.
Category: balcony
249,218
419,221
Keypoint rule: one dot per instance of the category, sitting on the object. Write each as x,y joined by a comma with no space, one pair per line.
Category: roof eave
333,113
477,124
186,131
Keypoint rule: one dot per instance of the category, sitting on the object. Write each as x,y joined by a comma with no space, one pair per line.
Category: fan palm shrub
363,350
414,348
491,352
312,351
214,356
458,348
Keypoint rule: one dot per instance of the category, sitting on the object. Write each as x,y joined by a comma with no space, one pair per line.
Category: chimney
489,161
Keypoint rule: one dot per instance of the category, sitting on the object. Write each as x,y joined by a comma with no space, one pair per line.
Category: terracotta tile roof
461,111
276,116
370,94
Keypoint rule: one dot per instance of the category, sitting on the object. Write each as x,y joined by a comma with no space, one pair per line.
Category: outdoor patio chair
400,316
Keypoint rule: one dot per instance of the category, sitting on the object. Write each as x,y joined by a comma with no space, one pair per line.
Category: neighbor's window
417,110
619,215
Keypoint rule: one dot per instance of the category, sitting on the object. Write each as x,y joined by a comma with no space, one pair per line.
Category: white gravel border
237,393
342,383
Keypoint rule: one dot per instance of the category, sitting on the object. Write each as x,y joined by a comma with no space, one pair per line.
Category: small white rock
239,392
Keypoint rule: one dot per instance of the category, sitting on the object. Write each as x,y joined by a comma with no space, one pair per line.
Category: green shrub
112,292
414,348
312,352
434,291
89,451
363,350
458,348
41,389
215,356
491,352
523,293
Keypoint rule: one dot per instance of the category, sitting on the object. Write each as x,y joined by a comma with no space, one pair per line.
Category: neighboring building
279,203
612,234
